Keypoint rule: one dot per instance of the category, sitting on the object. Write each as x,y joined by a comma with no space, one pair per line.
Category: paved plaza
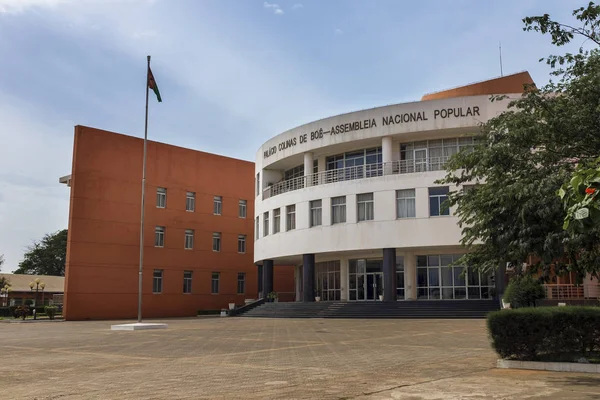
245,358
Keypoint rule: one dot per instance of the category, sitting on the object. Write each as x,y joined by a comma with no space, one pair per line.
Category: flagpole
143,195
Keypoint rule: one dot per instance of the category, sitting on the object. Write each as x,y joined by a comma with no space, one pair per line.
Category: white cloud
297,6
273,6
18,6
338,31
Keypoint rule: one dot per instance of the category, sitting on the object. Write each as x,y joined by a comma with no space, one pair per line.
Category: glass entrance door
374,285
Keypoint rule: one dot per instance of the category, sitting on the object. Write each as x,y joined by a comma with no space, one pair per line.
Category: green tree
524,156
46,257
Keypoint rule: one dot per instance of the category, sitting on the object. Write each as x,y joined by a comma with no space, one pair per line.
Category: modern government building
342,209
351,200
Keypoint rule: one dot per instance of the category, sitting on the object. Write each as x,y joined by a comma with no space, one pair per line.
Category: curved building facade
351,201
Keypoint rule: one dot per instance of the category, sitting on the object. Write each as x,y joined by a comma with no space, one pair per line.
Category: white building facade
352,202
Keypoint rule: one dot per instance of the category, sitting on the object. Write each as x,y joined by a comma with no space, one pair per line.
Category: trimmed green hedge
534,333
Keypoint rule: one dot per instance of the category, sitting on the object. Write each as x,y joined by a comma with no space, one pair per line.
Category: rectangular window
217,205
256,230
291,217
242,209
365,205
315,213
241,288
214,285
338,210
437,197
157,278
161,197
189,239
276,220
257,184
187,282
241,243
217,241
405,203
159,236
265,224
190,201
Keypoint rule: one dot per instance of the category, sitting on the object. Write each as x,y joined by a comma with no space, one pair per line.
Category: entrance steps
421,309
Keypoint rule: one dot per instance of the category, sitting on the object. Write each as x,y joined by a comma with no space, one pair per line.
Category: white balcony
356,172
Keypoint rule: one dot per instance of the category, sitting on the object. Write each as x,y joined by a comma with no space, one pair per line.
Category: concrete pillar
322,167
308,277
387,154
389,274
410,276
344,275
308,168
267,277
298,281
260,281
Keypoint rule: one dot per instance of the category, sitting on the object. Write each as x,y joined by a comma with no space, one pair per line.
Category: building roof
20,283
513,83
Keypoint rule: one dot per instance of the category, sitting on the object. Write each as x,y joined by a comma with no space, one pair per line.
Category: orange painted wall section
104,224
503,85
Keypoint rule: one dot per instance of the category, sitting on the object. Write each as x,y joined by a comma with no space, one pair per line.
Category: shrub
21,312
524,291
50,311
533,333
28,302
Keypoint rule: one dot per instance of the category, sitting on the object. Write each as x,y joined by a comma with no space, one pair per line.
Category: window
265,224
256,229
161,197
257,184
157,278
242,209
355,164
241,243
190,201
405,203
217,205
159,236
189,239
217,241
431,155
241,283
291,217
364,207
315,213
437,197
276,220
338,210
187,282
214,285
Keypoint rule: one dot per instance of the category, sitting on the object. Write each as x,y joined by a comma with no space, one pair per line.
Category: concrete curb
549,366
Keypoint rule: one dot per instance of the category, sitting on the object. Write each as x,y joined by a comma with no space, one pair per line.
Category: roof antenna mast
500,48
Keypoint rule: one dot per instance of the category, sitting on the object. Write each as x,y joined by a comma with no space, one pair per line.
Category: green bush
524,291
50,311
539,333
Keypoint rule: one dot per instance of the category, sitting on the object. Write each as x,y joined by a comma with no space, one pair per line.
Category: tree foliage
46,257
523,156
524,291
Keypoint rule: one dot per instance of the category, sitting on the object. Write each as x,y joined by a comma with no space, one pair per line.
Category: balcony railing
572,292
356,172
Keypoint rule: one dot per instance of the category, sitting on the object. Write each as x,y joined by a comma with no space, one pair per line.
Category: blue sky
232,74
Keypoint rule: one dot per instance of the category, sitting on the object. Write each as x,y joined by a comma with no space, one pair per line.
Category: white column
308,167
344,279
410,276
322,166
387,154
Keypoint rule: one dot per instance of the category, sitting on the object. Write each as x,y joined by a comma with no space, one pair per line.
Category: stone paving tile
247,358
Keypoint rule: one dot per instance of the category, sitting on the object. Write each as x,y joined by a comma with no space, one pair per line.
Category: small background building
52,292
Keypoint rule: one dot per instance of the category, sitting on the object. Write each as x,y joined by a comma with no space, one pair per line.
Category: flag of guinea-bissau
152,85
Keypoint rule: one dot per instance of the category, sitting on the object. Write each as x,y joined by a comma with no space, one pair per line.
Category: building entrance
366,279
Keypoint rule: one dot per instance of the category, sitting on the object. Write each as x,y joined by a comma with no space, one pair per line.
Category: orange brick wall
104,220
